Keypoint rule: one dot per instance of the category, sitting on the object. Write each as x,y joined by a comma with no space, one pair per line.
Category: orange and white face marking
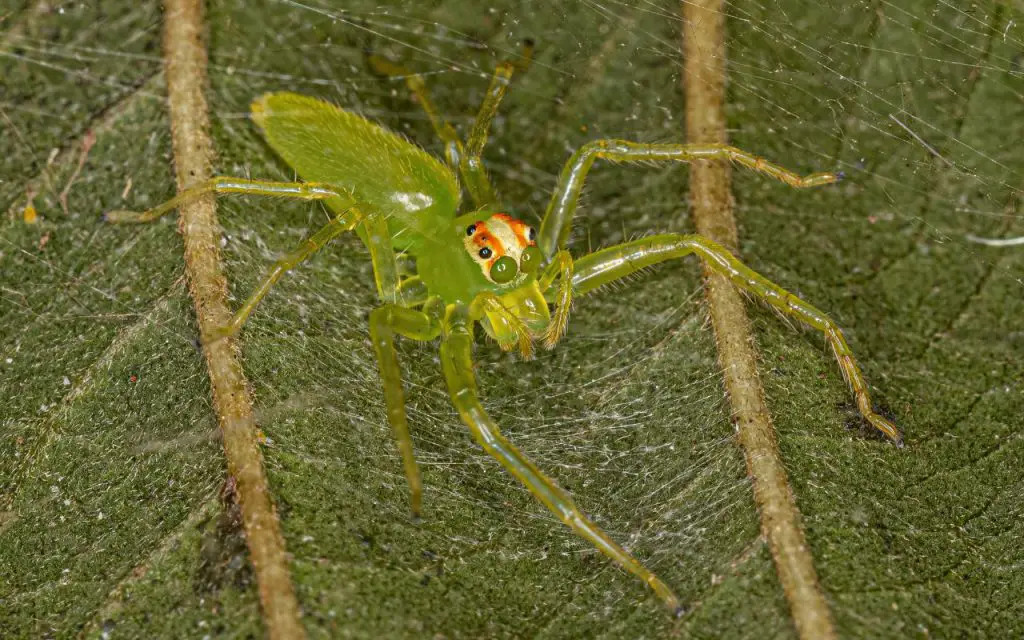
500,235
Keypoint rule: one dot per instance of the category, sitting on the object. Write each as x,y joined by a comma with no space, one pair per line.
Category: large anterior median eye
504,269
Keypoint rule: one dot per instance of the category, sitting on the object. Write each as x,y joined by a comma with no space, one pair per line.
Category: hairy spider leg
424,326
466,158
471,165
456,361
554,229
384,322
453,149
382,254
229,184
560,269
308,247
614,263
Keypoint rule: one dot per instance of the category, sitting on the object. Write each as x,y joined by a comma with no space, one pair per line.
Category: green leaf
110,463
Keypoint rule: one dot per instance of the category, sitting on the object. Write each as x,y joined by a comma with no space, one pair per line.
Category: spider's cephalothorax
492,254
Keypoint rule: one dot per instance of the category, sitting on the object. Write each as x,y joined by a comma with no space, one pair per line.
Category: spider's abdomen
417,193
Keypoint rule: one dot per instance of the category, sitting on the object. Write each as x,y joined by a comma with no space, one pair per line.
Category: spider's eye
529,262
532,234
486,253
504,269
471,229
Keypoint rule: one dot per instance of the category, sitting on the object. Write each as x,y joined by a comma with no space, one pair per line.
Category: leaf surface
110,464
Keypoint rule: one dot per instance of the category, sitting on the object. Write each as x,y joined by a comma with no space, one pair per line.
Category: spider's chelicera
483,267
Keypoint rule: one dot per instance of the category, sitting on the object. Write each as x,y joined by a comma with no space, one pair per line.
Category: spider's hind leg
308,247
466,158
344,221
229,184
453,149
471,164
457,364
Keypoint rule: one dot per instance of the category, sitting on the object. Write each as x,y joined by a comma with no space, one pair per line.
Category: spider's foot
523,344
887,427
416,504
818,179
120,216
526,56
669,598
552,336
526,347
217,334
556,328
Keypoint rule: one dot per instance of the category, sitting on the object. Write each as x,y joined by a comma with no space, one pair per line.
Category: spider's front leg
424,325
554,229
456,360
613,263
